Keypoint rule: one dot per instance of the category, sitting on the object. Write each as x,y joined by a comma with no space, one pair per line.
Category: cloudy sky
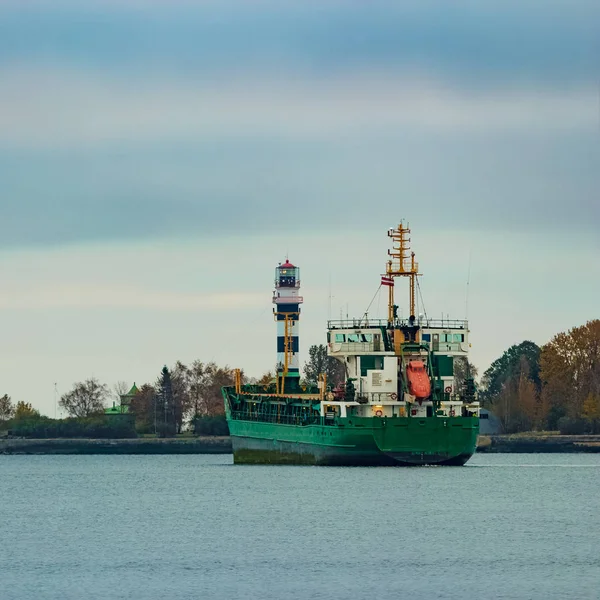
158,159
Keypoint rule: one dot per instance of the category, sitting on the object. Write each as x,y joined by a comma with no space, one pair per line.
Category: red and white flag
387,280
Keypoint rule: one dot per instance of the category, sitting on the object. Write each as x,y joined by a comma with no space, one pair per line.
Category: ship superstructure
399,403
402,367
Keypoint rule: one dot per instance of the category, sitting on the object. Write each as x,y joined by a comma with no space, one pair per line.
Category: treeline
552,387
23,420
97,427
184,396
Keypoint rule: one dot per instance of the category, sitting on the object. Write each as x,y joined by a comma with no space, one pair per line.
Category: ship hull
357,442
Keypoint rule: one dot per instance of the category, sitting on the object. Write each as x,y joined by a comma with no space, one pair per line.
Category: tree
143,409
197,389
591,408
182,402
24,410
165,406
180,395
527,413
85,399
197,376
570,372
205,381
218,377
120,389
508,367
7,409
319,362
266,379
511,386
553,387
463,370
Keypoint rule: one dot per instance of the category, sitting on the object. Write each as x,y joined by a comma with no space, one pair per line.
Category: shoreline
517,443
532,443
191,445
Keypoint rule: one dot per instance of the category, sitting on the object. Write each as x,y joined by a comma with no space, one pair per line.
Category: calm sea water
169,527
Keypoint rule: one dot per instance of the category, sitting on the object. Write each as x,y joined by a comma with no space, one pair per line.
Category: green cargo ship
399,405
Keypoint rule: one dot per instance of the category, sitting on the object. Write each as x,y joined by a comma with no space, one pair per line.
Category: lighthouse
287,300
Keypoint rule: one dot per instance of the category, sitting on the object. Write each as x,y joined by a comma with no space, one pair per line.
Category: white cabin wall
353,367
383,381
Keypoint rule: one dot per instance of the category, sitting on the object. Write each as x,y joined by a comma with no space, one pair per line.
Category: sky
159,159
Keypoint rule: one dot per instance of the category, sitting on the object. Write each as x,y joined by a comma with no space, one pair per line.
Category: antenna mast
401,264
467,292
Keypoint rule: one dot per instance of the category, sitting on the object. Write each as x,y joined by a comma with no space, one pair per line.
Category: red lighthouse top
287,275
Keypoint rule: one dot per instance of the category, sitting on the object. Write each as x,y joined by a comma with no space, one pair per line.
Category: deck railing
298,420
424,323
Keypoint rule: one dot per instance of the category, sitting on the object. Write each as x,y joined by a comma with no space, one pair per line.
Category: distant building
124,402
489,423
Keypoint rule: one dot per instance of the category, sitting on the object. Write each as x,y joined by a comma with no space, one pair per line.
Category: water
170,527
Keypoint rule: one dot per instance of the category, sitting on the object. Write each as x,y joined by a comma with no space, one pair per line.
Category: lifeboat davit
418,380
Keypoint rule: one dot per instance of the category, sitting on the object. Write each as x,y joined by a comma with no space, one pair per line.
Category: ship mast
401,264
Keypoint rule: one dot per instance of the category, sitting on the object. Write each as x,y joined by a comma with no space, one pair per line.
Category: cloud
523,175
54,110
200,120
478,42
86,296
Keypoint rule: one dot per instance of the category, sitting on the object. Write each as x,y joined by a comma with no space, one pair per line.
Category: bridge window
340,338
452,337
426,337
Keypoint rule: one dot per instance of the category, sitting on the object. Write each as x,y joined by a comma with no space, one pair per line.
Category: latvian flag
387,280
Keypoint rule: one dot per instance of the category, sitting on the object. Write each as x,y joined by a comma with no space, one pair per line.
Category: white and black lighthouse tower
287,300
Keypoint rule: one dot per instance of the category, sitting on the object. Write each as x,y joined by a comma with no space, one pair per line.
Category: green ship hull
357,442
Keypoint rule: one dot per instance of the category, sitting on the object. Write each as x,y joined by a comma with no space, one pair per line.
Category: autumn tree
180,395
7,408
143,409
319,362
591,414
266,378
218,378
528,414
570,373
24,410
591,408
206,381
85,399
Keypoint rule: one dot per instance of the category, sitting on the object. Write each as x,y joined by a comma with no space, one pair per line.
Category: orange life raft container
418,380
